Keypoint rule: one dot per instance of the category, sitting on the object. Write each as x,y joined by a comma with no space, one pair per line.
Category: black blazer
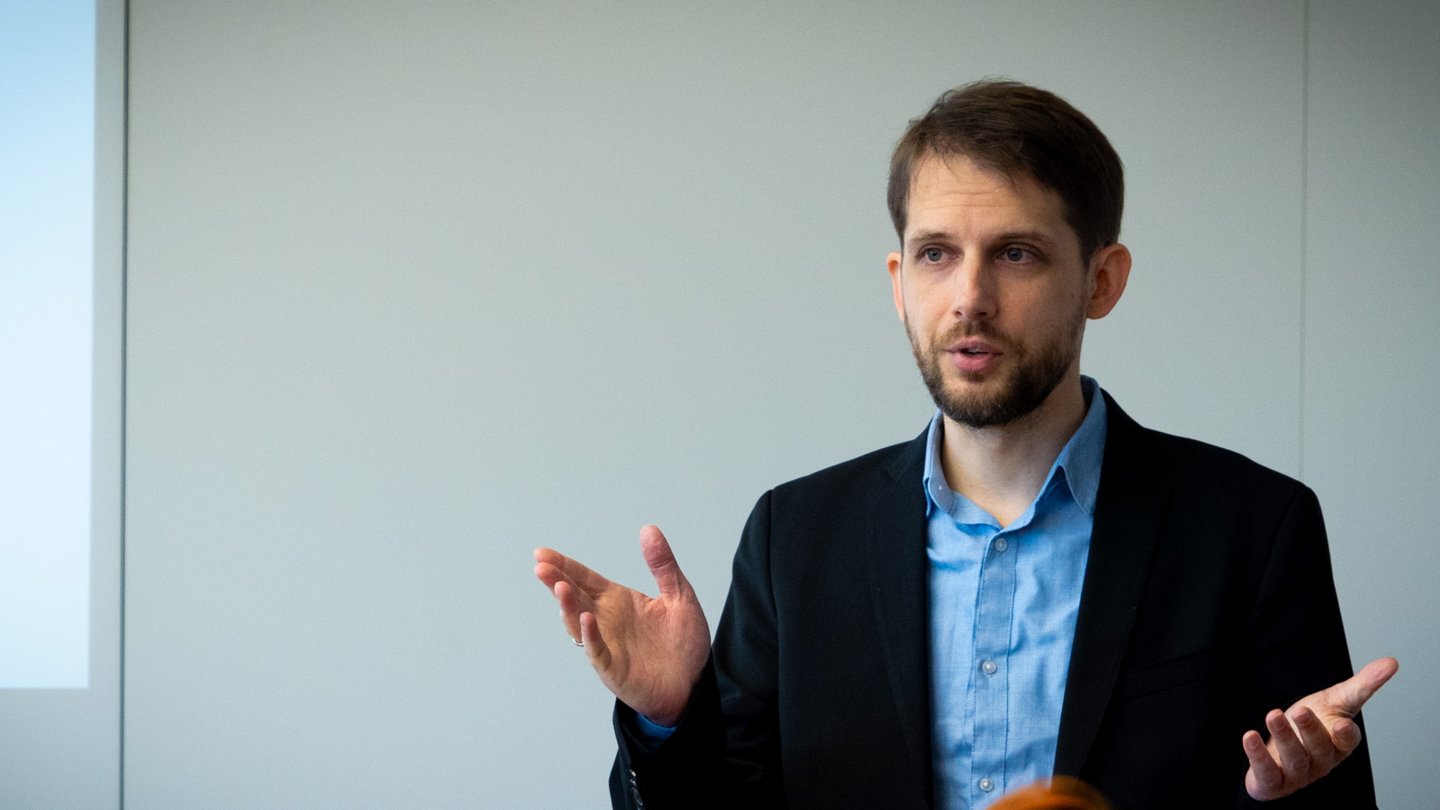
1208,600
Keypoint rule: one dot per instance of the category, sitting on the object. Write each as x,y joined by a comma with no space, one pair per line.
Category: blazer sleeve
678,771
1297,646
726,744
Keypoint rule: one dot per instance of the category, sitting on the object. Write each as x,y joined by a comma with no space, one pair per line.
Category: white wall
416,287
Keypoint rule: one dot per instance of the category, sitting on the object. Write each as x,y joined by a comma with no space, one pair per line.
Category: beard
1033,374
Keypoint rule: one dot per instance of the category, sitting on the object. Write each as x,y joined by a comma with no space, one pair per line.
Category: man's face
992,291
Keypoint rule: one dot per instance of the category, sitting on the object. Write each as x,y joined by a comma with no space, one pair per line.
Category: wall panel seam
1304,231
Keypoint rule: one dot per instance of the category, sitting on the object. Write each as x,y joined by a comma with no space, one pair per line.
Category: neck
1002,468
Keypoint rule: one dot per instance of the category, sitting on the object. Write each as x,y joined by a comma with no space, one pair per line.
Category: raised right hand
648,652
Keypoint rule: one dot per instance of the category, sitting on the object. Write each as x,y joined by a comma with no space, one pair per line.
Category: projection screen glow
47,187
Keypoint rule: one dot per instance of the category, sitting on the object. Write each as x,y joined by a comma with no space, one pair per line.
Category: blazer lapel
895,532
1128,511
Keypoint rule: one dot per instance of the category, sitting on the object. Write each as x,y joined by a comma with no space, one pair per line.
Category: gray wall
1371,397
413,288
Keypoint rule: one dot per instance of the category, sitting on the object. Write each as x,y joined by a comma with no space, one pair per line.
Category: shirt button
988,667
986,785
1001,544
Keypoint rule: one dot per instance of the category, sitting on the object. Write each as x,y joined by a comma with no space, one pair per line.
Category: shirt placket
995,608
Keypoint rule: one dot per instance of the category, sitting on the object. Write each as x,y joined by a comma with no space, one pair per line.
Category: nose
972,290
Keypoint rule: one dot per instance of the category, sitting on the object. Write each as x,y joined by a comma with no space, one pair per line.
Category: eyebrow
1007,236
927,236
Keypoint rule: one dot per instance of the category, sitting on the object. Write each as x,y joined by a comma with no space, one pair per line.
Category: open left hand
648,652
1313,736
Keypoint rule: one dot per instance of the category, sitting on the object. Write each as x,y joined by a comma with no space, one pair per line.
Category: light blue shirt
1003,602
1003,605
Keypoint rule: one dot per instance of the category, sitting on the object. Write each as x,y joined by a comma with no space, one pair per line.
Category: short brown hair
1014,128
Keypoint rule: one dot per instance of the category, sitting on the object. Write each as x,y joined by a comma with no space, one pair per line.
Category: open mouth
973,356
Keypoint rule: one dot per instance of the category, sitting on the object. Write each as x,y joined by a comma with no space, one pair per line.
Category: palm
1312,736
653,649
647,651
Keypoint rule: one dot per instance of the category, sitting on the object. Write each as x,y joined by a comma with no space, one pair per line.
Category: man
1035,584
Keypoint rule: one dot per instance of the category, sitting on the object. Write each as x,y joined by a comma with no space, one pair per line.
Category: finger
1351,694
571,606
595,647
1294,759
1265,778
578,573
661,561
553,578
1346,734
1321,748
548,575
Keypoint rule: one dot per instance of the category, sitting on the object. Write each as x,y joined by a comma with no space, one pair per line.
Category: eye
932,254
1017,255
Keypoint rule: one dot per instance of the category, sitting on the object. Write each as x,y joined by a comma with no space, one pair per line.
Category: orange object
1058,793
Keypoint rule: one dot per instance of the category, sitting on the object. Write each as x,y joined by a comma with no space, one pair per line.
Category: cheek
926,303
1055,309
921,324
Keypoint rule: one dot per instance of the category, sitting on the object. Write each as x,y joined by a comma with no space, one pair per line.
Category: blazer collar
895,536
1128,510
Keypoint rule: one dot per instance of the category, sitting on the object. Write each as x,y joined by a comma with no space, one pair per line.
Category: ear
892,263
1112,271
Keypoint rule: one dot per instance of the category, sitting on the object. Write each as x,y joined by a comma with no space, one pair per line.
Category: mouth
971,355
972,348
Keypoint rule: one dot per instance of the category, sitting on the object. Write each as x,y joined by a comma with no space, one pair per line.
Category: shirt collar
1078,464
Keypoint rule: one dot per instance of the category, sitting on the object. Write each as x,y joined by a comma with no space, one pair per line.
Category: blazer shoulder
1199,464
895,463
1189,463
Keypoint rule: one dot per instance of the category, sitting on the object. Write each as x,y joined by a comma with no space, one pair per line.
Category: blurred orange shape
1057,793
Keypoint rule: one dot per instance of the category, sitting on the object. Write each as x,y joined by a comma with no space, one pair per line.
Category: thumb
661,560
1353,693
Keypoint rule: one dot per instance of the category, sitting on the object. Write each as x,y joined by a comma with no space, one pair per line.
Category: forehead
959,195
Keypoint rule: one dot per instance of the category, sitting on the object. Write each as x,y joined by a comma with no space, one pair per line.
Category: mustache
982,330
